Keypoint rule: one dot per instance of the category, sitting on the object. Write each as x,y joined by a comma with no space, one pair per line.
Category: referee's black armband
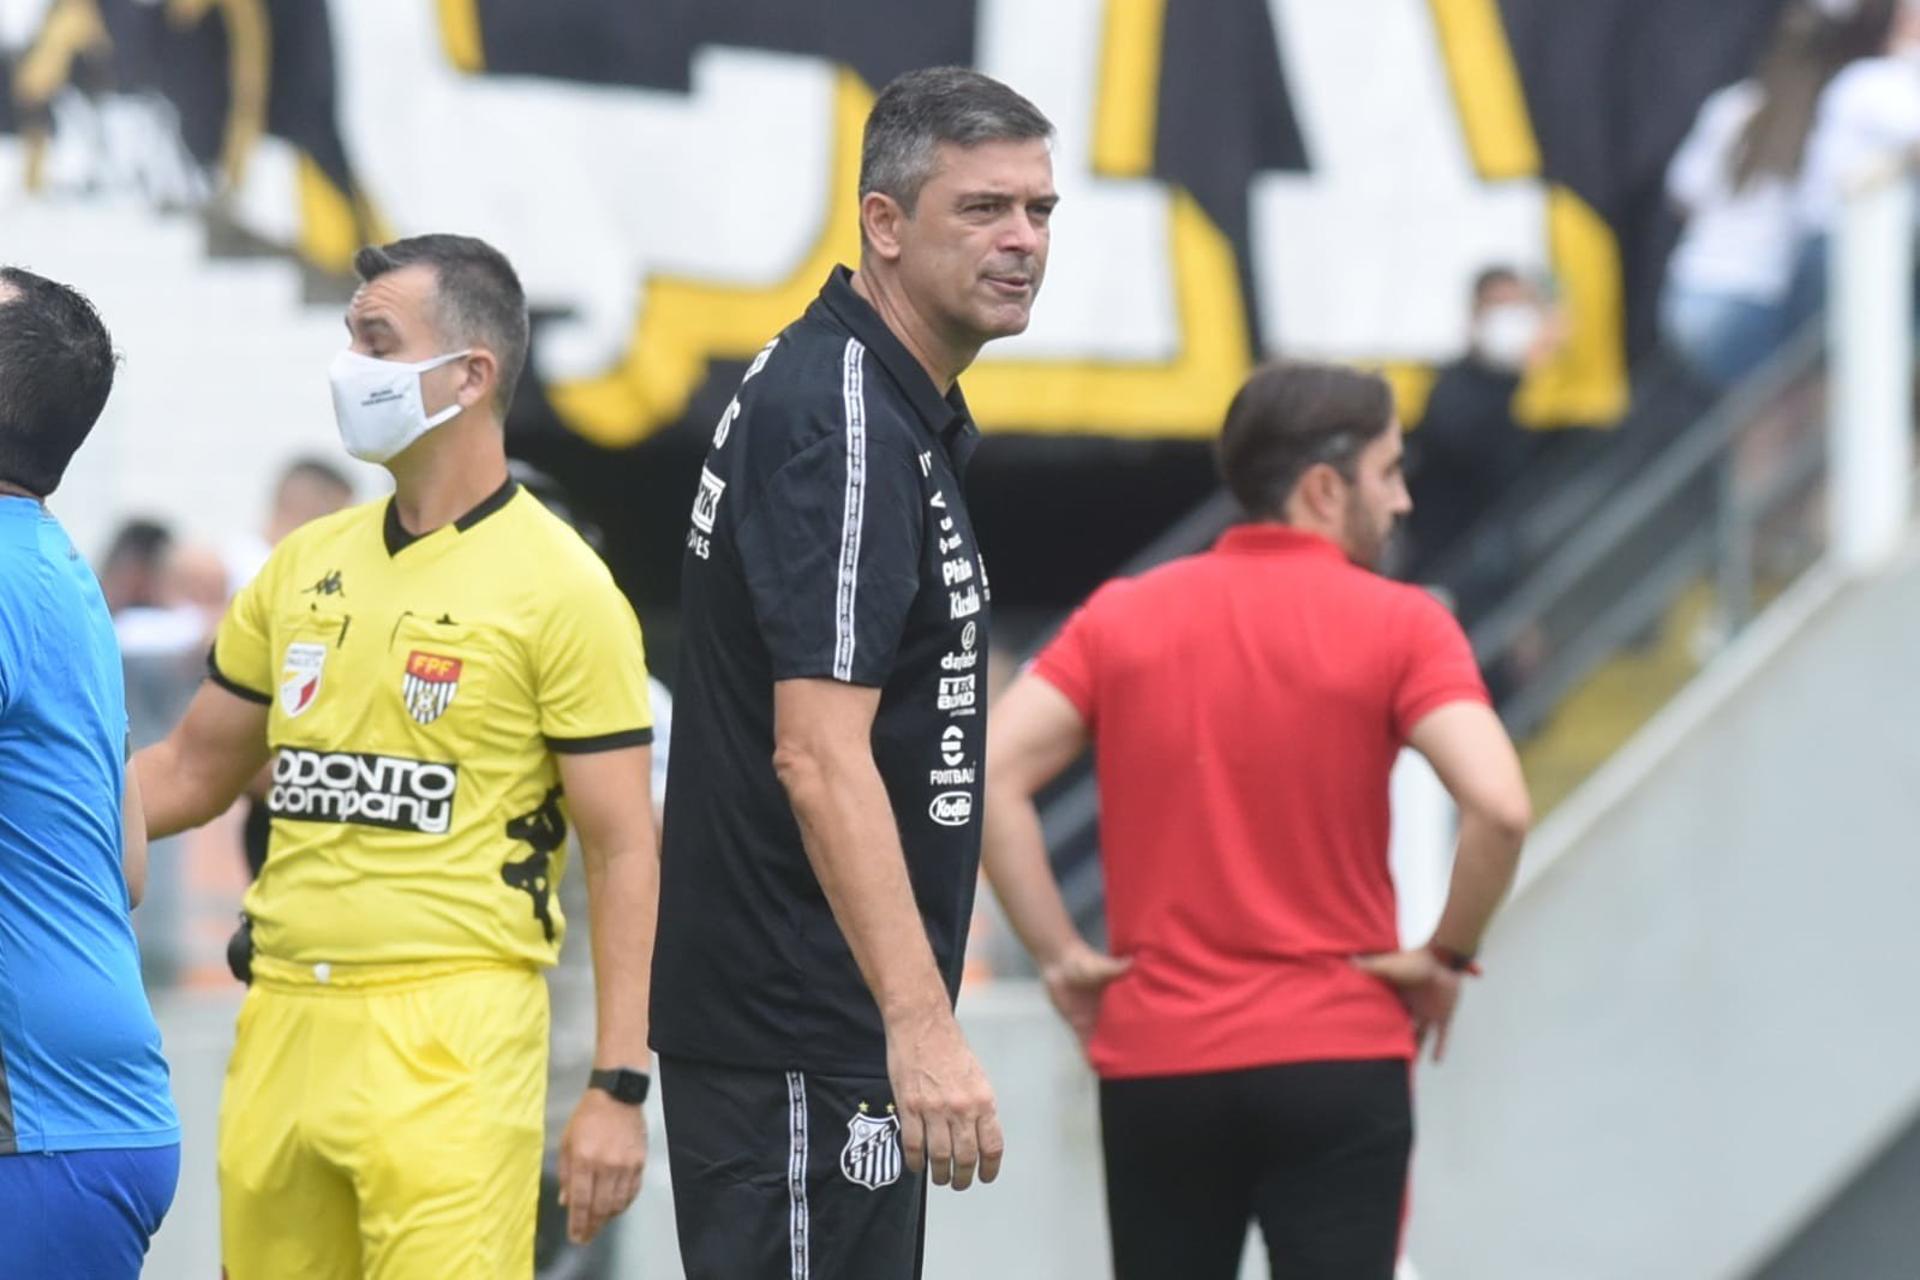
602,742
233,687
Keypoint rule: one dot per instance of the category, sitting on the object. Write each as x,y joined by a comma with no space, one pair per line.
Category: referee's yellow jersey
417,688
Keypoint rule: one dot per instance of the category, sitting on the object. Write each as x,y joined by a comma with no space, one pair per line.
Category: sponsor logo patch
963,604
300,677
957,694
390,792
706,503
953,745
429,685
952,808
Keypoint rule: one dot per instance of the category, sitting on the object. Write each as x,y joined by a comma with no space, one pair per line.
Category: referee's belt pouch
240,950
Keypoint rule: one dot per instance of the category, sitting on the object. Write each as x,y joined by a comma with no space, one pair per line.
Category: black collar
946,417
399,538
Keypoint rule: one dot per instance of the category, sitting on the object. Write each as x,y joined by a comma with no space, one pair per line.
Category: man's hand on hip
603,1155
948,1123
1076,981
1428,988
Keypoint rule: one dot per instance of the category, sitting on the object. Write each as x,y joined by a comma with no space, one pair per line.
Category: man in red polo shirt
1255,1026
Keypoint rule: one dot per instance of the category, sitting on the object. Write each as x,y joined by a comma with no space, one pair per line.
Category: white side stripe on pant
798,1243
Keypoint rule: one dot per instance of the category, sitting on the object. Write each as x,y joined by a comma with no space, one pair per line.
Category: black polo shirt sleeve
830,550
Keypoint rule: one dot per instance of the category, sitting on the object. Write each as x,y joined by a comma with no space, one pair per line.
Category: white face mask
378,404
1505,335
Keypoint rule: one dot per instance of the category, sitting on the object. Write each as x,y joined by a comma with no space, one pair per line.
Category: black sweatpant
789,1175
1316,1152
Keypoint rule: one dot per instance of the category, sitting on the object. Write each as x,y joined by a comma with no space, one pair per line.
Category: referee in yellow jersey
442,680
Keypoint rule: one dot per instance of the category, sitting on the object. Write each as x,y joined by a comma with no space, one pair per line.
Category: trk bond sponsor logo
952,808
390,792
957,695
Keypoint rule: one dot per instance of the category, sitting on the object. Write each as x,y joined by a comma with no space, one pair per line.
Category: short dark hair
918,111
56,371
317,470
480,298
1491,278
1293,415
138,539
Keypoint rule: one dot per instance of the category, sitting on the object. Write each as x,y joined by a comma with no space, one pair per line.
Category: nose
1019,235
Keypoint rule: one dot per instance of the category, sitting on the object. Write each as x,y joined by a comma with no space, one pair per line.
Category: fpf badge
429,685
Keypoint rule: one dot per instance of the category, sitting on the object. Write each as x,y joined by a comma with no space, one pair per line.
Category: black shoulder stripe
602,742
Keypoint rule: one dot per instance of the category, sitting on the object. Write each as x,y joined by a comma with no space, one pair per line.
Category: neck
448,472
942,359
1303,521
10,490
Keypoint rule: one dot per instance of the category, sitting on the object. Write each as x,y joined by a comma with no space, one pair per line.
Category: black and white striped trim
799,1241
853,392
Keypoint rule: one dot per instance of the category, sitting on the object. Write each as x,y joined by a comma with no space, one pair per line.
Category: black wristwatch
626,1086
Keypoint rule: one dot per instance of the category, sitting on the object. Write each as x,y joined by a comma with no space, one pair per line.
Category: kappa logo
429,684
872,1157
952,808
300,677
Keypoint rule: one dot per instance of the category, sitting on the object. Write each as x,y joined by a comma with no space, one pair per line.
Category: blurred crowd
1756,187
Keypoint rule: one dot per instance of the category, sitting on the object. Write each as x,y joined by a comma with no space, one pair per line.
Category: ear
1323,490
479,375
881,219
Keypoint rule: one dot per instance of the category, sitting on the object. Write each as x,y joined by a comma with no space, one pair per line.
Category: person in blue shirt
89,1140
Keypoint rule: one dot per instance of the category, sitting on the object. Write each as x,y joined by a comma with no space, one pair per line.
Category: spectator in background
1245,708
1469,450
130,572
307,489
1868,116
1734,291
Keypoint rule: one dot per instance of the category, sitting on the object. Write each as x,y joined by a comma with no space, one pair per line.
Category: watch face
625,1086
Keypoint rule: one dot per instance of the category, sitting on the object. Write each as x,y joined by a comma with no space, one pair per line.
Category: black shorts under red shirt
1246,707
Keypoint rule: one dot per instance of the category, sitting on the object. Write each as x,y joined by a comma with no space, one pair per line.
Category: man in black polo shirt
823,828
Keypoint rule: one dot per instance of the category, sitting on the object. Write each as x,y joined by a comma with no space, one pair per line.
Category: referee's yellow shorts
384,1122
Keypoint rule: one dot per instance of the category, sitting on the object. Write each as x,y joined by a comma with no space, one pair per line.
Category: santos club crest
871,1157
429,686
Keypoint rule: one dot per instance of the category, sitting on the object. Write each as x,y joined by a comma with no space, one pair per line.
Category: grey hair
922,109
